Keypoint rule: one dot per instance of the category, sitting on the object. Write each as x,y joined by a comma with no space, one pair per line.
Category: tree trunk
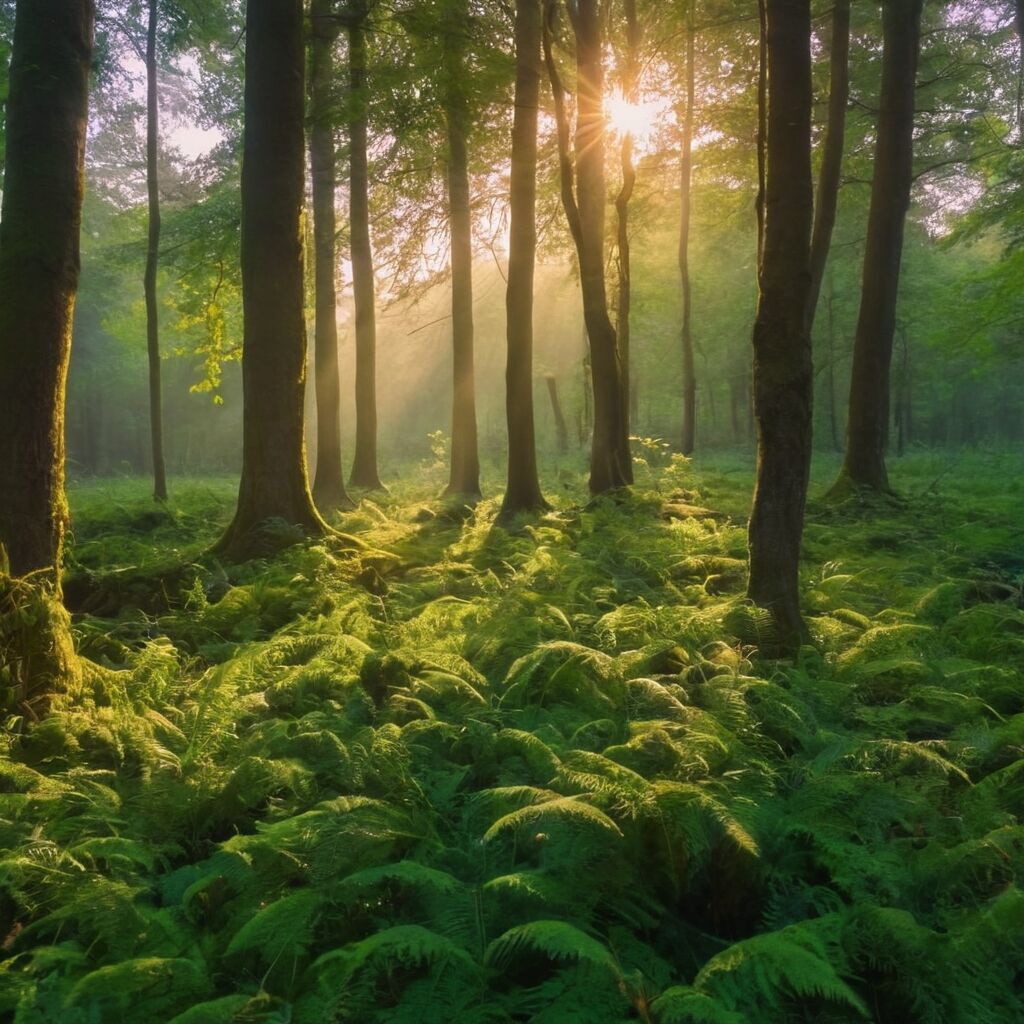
686,210
156,420
867,432
47,109
783,383
584,201
622,200
464,476
832,153
833,416
523,492
364,465
561,430
329,482
274,484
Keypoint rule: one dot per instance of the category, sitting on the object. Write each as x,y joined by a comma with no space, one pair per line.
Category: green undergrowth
471,774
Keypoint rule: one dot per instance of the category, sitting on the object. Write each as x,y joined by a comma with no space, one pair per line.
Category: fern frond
557,940
564,810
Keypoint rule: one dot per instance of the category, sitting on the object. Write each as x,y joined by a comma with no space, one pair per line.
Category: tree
329,482
832,153
685,218
630,83
156,426
364,465
464,476
582,176
868,427
783,386
274,483
522,492
47,109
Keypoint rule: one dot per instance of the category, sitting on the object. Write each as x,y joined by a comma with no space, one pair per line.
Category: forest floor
459,773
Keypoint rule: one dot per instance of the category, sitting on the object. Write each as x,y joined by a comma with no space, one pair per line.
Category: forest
510,511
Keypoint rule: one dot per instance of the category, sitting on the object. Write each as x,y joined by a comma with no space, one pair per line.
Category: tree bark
329,482
833,417
783,381
832,154
364,466
274,484
622,200
522,491
156,420
464,475
867,432
689,436
47,109
583,197
561,430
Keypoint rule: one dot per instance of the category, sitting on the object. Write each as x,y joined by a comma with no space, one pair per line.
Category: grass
539,774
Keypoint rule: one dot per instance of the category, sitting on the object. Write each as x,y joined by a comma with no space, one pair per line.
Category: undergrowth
474,774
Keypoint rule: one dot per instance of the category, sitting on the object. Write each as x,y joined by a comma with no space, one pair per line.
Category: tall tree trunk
329,482
561,430
832,153
464,476
364,465
522,492
783,384
833,415
867,432
47,109
274,484
622,200
686,212
156,420
583,196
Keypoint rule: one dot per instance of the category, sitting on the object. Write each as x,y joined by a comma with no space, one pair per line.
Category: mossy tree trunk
689,435
523,492
274,483
783,383
464,478
329,481
47,110
868,426
364,465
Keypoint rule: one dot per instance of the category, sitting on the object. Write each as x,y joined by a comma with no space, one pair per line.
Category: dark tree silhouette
868,426
582,175
464,478
783,385
47,109
523,492
156,419
827,198
274,483
329,481
364,464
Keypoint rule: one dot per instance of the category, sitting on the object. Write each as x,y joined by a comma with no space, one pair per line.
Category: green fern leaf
682,1004
557,940
564,810
284,926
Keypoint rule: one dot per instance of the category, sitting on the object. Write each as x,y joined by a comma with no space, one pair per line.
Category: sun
636,119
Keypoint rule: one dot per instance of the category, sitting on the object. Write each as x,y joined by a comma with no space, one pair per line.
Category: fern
767,970
283,927
557,940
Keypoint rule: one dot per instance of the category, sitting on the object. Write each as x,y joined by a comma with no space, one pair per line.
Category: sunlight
636,119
